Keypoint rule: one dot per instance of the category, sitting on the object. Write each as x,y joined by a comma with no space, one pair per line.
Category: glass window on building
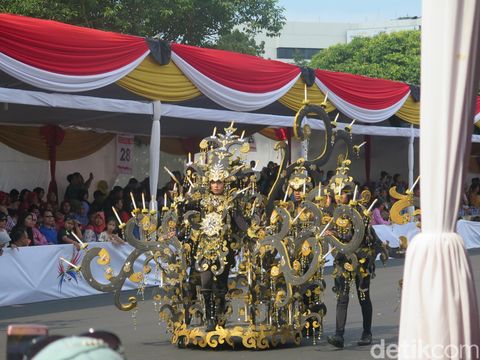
290,53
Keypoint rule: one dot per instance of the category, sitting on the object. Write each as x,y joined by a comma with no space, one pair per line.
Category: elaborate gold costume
257,261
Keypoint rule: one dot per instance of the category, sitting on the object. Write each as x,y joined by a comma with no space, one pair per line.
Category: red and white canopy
63,58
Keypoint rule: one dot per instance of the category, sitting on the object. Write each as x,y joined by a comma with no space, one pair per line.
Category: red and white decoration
362,98
235,81
65,58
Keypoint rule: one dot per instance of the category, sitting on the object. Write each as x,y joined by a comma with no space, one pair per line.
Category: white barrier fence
30,274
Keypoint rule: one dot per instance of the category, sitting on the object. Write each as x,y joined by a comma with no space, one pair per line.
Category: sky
349,10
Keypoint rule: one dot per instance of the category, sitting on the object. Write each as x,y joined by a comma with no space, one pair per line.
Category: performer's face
217,187
298,195
342,199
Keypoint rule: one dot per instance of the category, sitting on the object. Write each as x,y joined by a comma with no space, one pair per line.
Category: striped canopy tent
75,77
111,77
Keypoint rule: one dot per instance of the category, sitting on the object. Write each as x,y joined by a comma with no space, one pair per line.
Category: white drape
64,83
357,112
230,98
155,154
439,314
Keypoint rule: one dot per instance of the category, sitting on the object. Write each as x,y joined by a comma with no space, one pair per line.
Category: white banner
125,154
31,274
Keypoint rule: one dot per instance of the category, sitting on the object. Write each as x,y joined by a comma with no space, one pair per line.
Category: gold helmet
220,162
299,179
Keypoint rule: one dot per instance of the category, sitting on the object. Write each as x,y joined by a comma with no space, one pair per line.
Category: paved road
149,340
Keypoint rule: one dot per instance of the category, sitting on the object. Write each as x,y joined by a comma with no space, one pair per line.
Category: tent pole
411,158
155,154
411,165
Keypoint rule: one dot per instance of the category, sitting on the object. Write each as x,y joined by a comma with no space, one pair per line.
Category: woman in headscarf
81,215
95,227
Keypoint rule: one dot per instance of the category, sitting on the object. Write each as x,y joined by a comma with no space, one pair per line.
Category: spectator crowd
33,218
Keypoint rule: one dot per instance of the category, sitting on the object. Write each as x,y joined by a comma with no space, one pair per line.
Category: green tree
394,56
194,22
240,42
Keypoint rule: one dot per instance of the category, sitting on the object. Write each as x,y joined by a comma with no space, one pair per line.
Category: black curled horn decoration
115,282
331,137
275,241
280,179
300,132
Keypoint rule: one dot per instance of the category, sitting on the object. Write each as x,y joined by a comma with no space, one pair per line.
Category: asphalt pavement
148,340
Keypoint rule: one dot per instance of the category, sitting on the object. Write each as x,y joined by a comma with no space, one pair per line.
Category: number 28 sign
124,154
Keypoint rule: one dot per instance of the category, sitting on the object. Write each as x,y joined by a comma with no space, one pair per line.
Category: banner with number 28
124,154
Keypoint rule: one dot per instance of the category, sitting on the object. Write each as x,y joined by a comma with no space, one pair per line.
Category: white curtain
155,154
439,314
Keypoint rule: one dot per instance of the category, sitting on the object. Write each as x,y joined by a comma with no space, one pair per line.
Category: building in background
305,39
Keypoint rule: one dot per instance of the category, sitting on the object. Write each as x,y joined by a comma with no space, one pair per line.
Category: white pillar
155,154
411,158
411,165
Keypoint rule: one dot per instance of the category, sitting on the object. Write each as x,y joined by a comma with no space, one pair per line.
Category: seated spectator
102,186
29,222
95,227
118,205
40,194
32,198
377,218
52,201
22,220
13,199
113,196
65,235
81,215
108,235
4,237
23,193
48,228
12,219
19,238
97,204
38,238
24,203
66,208
473,195
59,219
46,206
399,183
4,202
34,209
